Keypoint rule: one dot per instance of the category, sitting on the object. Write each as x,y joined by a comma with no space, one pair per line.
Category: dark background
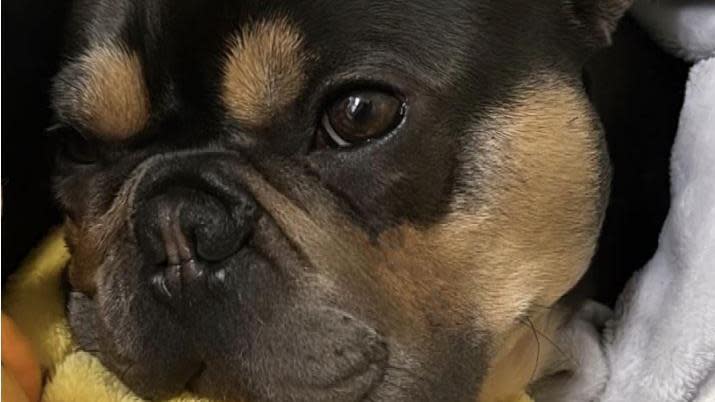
31,34
638,91
636,87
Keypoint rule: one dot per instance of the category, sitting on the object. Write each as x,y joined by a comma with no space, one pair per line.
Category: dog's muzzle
214,299
189,217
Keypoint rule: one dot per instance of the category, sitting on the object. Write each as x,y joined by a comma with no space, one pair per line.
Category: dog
328,201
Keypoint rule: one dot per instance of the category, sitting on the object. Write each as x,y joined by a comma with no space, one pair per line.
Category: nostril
223,229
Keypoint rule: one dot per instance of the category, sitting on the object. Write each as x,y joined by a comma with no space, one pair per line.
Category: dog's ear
597,19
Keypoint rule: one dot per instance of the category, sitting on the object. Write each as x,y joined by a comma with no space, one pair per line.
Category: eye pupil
359,109
362,116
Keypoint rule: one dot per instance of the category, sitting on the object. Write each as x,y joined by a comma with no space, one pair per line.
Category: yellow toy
34,303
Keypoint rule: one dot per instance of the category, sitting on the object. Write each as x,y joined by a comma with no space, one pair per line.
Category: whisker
538,345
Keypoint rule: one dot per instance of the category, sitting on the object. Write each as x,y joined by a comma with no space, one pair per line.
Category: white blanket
659,346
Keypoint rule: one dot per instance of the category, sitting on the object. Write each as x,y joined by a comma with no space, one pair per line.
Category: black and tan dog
328,201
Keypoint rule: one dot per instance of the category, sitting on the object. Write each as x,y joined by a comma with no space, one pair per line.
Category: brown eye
362,116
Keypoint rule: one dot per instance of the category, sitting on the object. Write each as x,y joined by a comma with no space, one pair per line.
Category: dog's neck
527,353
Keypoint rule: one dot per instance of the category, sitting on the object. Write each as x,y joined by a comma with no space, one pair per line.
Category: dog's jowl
327,201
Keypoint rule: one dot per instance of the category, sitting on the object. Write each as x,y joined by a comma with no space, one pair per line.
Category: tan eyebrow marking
110,98
264,71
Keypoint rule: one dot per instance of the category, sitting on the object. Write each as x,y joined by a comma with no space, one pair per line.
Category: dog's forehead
189,49
188,35
253,58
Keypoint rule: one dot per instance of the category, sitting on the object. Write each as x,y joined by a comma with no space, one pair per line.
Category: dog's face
324,201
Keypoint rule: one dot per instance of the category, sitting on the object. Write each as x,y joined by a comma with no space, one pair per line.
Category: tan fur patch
539,223
264,71
537,226
113,101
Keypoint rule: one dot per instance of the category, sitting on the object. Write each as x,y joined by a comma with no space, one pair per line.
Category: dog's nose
186,231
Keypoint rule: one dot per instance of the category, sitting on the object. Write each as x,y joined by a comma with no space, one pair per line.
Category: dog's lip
371,376
375,383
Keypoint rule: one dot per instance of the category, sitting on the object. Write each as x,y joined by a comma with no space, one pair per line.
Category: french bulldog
328,201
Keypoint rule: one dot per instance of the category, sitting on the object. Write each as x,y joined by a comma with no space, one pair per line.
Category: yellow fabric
34,299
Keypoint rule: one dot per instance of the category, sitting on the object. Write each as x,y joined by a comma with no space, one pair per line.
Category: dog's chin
367,384
325,355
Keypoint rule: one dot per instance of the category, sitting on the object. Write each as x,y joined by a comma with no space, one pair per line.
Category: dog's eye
73,146
362,116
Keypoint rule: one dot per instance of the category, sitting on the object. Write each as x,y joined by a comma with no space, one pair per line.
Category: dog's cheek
82,316
90,242
412,293
530,233
97,206
520,236
84,258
